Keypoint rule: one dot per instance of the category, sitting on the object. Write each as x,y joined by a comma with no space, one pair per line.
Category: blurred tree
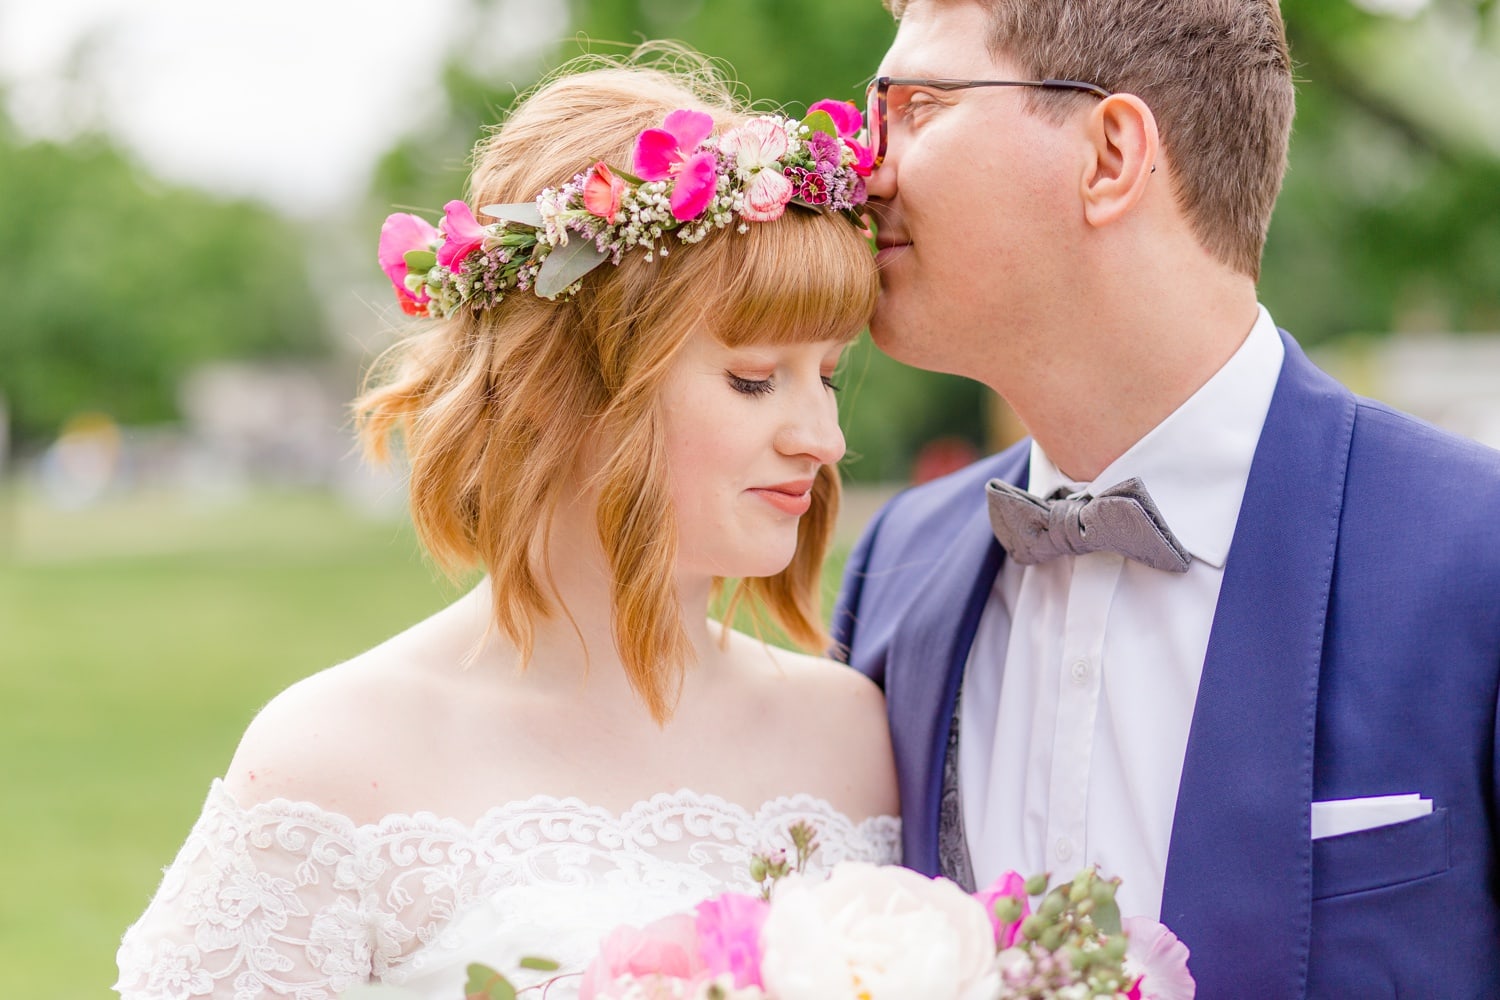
1386,221
117,284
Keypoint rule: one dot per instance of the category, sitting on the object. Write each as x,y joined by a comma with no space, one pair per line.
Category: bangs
805,277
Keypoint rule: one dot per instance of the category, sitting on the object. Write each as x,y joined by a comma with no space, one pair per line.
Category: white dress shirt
1079,689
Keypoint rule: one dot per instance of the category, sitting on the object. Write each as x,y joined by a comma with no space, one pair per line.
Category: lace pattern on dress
288,899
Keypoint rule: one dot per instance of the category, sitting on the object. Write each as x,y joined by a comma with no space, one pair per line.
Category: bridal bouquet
872,932
882,932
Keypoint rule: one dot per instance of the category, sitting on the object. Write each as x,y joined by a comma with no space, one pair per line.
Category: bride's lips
793,497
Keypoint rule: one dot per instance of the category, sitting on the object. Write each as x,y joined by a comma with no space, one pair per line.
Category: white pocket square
1339,816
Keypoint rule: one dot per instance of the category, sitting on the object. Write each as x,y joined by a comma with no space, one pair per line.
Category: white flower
875,933
767,195
755,144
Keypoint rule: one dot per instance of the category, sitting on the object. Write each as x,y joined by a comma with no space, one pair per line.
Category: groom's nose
881,184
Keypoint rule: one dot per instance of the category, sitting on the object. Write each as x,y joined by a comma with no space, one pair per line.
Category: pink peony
602,191
461,235
669,153
1013,885
1160,958
766,196
847,118
729,936
667,948
401,233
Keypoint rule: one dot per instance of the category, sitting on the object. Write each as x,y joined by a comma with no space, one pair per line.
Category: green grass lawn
136,642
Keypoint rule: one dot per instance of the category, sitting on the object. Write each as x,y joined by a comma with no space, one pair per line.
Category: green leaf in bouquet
486,984
566,265
420,261
821,121
537,964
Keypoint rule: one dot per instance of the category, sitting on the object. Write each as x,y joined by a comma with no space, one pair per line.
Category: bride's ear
1124,147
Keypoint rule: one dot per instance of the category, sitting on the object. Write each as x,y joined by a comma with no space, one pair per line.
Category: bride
574,744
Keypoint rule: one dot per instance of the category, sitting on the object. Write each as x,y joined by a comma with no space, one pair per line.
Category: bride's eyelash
759,387
750,386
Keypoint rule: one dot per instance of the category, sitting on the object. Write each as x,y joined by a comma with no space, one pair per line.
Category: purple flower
825,149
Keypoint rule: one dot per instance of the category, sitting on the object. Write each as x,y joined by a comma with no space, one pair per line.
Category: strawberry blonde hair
501,412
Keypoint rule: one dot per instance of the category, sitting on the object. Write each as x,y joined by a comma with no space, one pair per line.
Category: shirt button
1080,672
1063,849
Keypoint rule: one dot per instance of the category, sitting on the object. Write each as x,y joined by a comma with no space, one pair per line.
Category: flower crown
687,182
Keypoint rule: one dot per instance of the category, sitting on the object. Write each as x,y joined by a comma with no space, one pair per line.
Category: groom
1241,646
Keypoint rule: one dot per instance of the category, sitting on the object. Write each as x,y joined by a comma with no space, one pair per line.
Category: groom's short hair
1215,73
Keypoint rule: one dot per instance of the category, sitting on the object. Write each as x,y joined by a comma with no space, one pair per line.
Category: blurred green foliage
117,284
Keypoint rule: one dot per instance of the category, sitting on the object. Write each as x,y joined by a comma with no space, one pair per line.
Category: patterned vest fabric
953,845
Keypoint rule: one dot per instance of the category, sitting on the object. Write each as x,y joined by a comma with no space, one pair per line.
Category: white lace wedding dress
288,899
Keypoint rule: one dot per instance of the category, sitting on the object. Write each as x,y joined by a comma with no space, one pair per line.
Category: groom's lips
888,244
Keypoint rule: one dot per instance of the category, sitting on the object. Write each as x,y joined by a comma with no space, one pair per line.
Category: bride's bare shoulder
835,720
344,738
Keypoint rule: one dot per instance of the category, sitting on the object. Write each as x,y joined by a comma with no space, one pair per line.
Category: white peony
876,933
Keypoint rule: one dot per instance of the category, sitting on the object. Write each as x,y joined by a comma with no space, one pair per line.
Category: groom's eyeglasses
877,99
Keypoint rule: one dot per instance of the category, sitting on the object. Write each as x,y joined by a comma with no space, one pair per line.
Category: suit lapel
1239,872
932,645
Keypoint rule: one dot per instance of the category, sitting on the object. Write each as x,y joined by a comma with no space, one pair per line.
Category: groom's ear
1124,149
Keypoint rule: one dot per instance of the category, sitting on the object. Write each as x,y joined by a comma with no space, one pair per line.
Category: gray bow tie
1122,519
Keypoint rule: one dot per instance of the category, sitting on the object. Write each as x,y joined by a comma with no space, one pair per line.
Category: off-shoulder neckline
542,805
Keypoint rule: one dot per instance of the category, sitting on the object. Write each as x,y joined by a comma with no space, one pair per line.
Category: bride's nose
810,428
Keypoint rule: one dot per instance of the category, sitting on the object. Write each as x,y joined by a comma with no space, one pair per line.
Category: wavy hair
500,412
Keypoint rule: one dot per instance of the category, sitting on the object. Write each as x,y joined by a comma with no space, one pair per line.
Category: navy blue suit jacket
1355,651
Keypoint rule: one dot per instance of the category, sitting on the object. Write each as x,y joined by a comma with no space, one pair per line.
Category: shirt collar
1196,462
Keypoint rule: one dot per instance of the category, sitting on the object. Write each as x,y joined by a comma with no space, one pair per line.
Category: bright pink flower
729,936
1161,959
766,196
696,184
401,233
669,153
602,191
864,158
1013,885
667,948
847,118
661,152
461,235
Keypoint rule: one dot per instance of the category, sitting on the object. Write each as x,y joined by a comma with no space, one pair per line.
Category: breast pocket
1381,858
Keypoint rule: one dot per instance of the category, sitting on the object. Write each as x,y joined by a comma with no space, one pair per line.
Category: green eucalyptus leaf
821,121
485,983
539,964
567,264
420,260
525,213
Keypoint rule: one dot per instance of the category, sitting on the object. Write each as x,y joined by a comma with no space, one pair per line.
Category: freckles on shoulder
334,739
